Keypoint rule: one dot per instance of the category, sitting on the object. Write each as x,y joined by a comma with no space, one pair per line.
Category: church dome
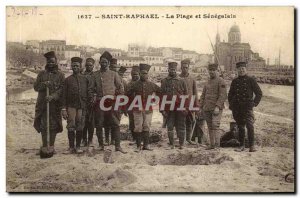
234,28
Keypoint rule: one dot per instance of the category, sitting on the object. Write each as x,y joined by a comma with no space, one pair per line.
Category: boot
171,139
100,138
120,150
252,149
146,135
240,149
71,137
138,142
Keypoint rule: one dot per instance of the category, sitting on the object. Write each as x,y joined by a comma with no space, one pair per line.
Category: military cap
76,59
90,60
114,61
186,61
241,64
144,67
213,66
50,54
135,69
106,55
172,65
122,70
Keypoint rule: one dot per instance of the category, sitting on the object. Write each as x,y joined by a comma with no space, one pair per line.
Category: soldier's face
104,63
242,71
172,72
135,76
113,67
51,63
89,66
185,68
76,67
212,73
144,75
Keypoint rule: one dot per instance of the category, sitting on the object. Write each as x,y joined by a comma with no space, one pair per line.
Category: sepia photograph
157,99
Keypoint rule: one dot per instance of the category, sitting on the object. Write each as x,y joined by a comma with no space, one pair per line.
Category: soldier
88,130
142,117
74,100
192,92
107,83
121,73
107,130
241,104
212,104
174,86
135,76
114,65
52,78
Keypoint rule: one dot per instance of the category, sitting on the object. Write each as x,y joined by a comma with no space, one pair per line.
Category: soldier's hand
49,98
47,84
216,110
164,113
64,114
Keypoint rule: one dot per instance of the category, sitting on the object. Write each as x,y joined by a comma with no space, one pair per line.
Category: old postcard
150,99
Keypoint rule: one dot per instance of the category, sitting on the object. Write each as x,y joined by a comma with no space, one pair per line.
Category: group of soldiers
77,97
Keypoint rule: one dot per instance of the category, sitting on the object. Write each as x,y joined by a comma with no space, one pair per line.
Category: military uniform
56,79
88,130
213,95
171,86
135,69
142,118
74,100
107,83
241,103
192,91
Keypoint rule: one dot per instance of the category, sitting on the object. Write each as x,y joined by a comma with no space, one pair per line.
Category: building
192,55
71,51
152,58
233,51
58,46
128,61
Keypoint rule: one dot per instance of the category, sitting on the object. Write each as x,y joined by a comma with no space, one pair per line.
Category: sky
266,29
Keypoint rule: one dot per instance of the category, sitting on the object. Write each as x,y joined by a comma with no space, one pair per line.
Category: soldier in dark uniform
107,129
241,103
74,100
52,78
135,76
107,83
114,65
192,91
88,130
174,86
142,117
212,100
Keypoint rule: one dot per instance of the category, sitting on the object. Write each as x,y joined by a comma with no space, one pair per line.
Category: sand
192,169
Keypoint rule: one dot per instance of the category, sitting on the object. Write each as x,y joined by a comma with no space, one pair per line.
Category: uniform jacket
171,86
143,89
76,91
241,93
107,83
214,94
191,85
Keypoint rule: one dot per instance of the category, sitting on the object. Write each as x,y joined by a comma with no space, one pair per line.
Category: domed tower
234,35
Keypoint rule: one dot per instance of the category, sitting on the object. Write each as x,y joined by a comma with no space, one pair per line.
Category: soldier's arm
202,97
222,94
231,92
257,91
38,84
64,94
91,87
195,93
118,84
59,90
156,89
